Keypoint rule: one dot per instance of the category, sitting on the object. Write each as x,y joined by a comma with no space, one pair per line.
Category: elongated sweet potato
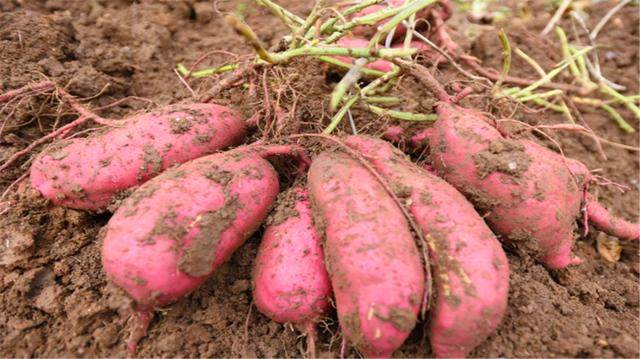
531,195
291,283
89,173
177,228
472,271
374,265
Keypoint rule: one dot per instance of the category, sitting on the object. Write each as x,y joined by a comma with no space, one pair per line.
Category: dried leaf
609,247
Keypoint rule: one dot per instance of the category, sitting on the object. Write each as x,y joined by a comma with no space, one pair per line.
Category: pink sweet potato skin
177,228
372,260
291,283
88,173
471,269
528,192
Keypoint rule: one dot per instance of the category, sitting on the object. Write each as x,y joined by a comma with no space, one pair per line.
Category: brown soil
55,299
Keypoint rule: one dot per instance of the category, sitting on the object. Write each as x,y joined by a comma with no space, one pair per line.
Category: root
311,340
494,75
7,205
228,82
454,49
37,88
289,150
267,106
606,222
85,115
426,78
246,328
141,320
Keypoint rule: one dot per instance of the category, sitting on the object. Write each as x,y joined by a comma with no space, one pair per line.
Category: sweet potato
372,260
472,271
290,281
89,173
531,195
176,229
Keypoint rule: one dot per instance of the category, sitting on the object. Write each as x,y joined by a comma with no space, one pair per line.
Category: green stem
510,91
506,58
582,65
347,81
370,19
365,71
385,100
566,53
182,69
205,72
566,111
291,20
406,10
337,118
385,88
533,63
408,37
218,70
539,95
616,95
401,115
624,125
547,104
328,25
369,89
243,29
548,77
308,23
309,50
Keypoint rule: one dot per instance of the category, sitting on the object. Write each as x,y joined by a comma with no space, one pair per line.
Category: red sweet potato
89,173
291,283
531,195
471,269
176,229
372,260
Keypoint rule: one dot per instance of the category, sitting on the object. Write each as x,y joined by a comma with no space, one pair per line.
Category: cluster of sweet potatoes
181,210
356,232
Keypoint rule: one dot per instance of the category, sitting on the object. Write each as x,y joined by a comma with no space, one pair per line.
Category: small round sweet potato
291,283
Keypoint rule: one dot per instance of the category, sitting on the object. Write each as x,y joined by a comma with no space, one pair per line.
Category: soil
57,302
